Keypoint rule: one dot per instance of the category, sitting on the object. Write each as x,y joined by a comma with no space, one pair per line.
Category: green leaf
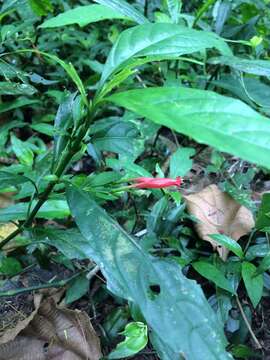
11,88
11,105
9,266
63,121
78,288
229,244
159,41
222,122
256,67
52,209
124,8
174,7
263,217
136,340
22,150
10,179
211,273
117,135
44,128
250,90
9,71
253,283
41,7
69,242
244,352
181,162
70,70
116,320
264,265
173,306
83,15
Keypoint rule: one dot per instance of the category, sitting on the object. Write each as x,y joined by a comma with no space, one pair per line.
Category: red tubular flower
155,183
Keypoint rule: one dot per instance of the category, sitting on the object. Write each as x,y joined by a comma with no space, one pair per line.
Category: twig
56,284
256,341
71,149
92,272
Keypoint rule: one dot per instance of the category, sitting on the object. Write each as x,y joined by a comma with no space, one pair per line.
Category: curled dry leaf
217,212
20,319
54,333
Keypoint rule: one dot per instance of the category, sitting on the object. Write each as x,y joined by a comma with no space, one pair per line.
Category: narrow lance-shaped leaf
11,88
124,8
222,122
174,7
174,307
163,41
256,67
70,70
83,15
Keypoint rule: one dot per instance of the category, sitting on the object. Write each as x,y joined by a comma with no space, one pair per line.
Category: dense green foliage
96,93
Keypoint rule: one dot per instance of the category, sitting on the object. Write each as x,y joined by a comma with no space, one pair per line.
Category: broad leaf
124,8
264,264
11,88
181,162
211,273
229,244
163,41
174,306
136,339
78,288
222,122
41,7
256,67
22,150
52,209
117,135
83,15
69,241
10,179
249,89
11,105
253,282
263,217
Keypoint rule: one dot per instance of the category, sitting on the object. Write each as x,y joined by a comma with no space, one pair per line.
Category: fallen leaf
21,321
219,213
54,333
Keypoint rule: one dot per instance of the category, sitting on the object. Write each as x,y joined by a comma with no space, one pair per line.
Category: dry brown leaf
54,333
218,212
10,333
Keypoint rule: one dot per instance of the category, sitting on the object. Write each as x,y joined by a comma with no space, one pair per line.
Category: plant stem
68,154
203,10
55,284
256,341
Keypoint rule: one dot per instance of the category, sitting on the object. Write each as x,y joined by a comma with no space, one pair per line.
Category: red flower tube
155,183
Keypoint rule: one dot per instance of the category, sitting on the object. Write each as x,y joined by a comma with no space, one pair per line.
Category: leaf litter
218,213
51,332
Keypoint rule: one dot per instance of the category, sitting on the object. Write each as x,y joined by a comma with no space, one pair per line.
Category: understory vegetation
134,179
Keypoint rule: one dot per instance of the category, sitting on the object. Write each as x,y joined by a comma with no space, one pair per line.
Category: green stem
68,154
55,284
203,10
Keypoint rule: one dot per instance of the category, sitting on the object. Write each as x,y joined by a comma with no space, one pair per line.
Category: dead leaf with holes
53,333
217,212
